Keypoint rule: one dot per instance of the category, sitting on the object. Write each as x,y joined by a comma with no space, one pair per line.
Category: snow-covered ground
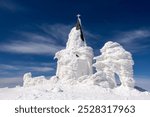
73,92
40,88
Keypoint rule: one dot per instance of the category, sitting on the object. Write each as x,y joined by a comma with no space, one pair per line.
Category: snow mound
29,81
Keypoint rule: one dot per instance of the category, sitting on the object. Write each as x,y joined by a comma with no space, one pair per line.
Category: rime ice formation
115,60
76,60
74,40
75,65
29,81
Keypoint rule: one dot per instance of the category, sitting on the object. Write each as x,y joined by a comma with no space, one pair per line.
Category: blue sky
31,31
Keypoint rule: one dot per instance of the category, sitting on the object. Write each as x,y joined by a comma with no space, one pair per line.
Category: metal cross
78,15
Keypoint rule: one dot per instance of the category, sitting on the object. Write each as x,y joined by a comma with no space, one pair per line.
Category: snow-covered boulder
100,79
114,59
29,81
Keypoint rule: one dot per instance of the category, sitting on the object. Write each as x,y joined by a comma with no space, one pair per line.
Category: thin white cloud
51,39
22,47
132,39
35,68
61,31
33,43
10,82
143,82
29,36
132,36
89,35
10,5
4,66
40,69
57,31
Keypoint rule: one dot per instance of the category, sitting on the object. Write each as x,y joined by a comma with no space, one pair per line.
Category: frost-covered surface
76,60
115,60
74,40
29,81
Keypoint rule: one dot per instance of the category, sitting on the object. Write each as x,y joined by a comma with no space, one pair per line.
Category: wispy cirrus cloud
17,70
21,47
143,82
47,41
10,5
6,66
10,82
132,36
133,39
37,68
36,42
57,31
60,32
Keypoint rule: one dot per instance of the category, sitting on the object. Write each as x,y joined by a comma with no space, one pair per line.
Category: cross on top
78,15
